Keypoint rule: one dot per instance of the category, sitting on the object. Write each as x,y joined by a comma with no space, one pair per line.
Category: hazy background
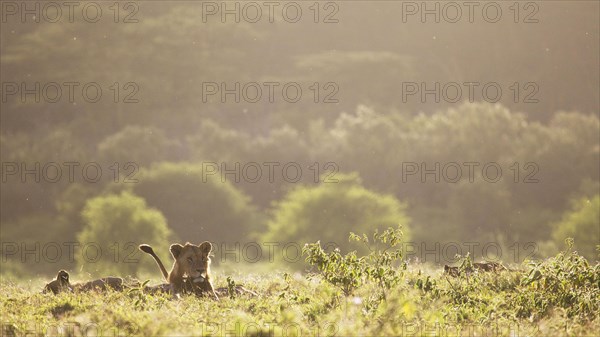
362,132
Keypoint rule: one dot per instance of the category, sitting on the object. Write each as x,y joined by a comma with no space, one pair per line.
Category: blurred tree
139,145
531,221
114,227
284,146
582,223
368,142
212,142
40,175
482,209
70,203
566,151
37,244
198,208
352,77
553,160
330,211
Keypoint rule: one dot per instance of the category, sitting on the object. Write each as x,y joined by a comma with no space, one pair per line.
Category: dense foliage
581,224
327,211
114,227
198,206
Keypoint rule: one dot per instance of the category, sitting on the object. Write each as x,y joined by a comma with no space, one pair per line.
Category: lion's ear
206,247
176,250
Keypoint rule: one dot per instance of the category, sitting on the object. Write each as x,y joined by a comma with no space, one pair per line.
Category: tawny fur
191,269
62,284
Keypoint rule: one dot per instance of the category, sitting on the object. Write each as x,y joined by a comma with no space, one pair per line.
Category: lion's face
193,261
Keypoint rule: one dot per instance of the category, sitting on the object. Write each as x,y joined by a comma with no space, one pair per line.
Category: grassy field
556,297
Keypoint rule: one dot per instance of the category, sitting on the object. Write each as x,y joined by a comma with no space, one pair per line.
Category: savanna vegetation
376,294
278,185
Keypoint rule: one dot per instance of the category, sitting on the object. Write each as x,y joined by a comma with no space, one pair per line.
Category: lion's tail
147,249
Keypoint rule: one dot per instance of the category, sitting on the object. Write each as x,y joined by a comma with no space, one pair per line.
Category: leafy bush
197,208
582,223
348,272
328,211
567,281
114,227
343,271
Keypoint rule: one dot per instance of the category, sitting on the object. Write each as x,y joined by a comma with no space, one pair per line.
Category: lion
452,271
191,269
477,266
62,284
103,284
489,266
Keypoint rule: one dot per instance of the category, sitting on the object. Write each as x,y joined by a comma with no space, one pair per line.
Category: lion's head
191,261
60,284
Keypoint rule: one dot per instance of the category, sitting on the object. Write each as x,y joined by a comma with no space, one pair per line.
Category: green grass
561,299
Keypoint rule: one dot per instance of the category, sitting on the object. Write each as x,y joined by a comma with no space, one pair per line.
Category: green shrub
348,272
198,208
114,227
330,210
567,281
582,223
